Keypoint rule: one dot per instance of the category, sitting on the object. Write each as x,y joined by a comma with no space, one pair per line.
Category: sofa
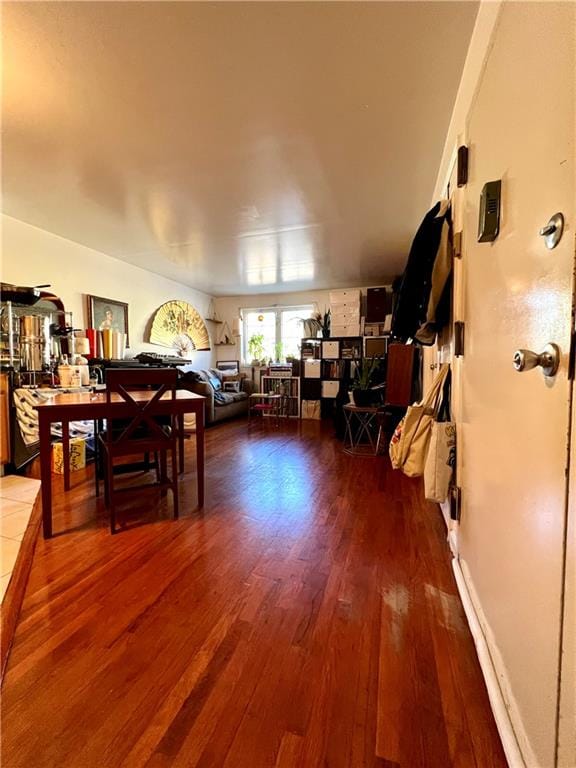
220,402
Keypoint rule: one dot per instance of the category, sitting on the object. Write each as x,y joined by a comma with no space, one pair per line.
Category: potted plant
362,391
325,324
278,350
317,323
310,327
256,348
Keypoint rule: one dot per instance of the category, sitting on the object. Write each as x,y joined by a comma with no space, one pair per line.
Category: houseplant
256,348
318,322
361,388
325,324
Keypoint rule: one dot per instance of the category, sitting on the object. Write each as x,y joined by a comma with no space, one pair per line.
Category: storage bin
345,330
311,369
77,455
344,297
330,388
330,349
345,318
310,409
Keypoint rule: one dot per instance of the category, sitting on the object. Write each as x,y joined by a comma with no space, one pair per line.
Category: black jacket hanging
412,310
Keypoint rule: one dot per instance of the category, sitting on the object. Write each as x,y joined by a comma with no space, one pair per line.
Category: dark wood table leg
200,453
181,443
46,476
66,453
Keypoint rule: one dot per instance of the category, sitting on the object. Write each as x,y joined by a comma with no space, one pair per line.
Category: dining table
95,406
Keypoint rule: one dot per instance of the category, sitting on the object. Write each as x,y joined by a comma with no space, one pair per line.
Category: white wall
227,308
32,256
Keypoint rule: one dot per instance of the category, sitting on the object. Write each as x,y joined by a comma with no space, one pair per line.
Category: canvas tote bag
441,452
409,444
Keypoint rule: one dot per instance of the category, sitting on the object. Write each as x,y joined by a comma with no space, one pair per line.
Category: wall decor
179,326
108,314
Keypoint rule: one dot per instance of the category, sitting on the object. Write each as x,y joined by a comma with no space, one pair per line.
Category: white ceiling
235,147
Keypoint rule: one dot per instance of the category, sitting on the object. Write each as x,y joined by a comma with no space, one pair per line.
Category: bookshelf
286,385
327,367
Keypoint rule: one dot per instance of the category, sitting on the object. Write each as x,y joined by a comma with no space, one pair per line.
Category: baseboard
451,527
502,702
12,601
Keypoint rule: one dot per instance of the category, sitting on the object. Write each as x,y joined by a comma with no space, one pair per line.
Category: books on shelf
310,349
351,349
333,369
277,386
286,386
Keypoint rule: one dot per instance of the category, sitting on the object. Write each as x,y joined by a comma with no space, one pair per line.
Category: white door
518,294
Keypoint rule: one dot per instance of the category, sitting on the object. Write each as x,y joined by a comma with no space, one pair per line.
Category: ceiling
234,147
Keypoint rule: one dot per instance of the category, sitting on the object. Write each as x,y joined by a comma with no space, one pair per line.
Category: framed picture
108,313
231,366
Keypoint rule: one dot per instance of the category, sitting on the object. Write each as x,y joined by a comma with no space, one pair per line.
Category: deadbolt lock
548,359
552,232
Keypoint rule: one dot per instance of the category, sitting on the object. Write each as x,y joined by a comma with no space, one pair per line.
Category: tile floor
17,497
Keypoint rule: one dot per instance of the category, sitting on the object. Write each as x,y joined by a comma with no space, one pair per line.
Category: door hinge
457,245
459,329
455,503
572,356
462,172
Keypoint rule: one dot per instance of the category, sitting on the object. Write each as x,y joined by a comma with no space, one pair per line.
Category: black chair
142,431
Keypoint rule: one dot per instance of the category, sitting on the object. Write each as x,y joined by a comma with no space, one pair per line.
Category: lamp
82,346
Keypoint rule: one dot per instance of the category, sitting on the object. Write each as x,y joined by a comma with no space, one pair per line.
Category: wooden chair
143,432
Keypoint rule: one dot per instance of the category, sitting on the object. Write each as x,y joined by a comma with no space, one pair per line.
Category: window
280,328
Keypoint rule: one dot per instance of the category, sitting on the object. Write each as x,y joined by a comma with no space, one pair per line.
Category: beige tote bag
409,444
440,461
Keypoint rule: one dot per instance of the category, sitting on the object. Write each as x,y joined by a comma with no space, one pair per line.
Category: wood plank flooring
306,617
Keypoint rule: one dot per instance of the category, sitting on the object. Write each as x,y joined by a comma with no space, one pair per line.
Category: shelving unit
327,366
310,370
222,334
289,388
375,326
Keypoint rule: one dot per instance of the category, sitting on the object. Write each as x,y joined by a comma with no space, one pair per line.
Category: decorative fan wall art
179,326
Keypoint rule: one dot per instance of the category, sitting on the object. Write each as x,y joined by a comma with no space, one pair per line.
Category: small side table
363,431
265,402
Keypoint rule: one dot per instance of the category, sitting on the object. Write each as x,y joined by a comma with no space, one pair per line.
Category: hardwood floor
307,617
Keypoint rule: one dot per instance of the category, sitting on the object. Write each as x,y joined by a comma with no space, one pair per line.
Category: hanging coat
421,301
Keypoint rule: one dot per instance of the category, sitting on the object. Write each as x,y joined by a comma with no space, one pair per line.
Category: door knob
548,359
552,232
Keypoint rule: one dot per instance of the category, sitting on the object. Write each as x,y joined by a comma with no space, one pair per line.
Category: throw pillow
214,380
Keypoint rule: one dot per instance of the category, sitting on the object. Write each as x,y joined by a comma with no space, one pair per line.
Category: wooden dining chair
141,431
